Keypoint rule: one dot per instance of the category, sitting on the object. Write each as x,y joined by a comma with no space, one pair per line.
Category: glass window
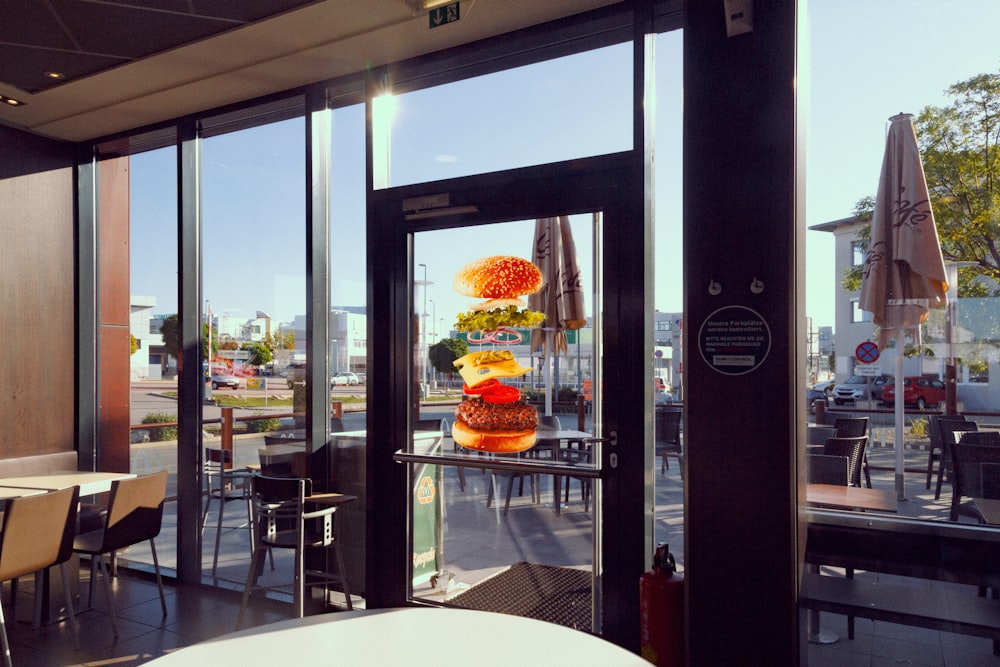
253,277
857,315
561,109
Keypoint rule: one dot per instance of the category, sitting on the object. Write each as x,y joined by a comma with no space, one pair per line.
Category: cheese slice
478,367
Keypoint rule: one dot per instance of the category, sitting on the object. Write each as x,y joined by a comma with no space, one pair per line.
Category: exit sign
439,16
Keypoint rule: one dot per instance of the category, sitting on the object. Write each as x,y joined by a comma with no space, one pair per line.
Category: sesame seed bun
498,277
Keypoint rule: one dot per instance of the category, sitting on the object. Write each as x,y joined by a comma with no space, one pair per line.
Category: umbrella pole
899,405
549,340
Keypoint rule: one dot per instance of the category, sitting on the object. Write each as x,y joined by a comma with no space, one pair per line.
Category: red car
919,391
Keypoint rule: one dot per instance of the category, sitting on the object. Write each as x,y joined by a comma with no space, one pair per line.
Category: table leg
813,631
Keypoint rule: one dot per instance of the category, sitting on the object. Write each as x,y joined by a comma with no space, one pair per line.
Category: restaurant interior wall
37,258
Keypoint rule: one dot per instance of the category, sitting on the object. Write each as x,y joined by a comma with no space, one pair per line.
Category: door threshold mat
545,592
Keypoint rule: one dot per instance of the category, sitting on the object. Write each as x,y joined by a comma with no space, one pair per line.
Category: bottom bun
492,441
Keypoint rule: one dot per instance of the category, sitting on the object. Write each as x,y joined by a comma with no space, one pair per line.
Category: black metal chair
284,518
668,438
937,447
975,456
948,430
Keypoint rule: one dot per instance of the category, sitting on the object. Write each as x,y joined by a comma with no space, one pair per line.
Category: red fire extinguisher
661,609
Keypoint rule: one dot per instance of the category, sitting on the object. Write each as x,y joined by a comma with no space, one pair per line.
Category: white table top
89,482
406,636
8,492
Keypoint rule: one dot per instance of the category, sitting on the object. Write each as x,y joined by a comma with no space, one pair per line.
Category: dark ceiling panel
82,37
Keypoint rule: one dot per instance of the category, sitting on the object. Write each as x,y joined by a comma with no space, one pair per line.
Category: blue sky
866,61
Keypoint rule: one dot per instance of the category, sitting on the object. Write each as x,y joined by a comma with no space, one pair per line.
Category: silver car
856,388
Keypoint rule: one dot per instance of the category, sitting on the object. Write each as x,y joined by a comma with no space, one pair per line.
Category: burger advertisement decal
495,417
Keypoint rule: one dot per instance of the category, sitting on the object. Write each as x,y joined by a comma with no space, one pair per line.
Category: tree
959,149
443,354
170,330
133,344
259,354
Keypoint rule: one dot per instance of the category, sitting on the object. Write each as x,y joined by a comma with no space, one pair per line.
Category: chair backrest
818,435
949,428
973,462
986,438
853,449
667,426
851,427
825,469
284,461
37,532
135,510
549,422
278,504
934,427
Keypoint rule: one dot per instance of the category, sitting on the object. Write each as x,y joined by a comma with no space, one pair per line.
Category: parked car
826,386
345,378
919,391
296,372
361,378
228,381
856,388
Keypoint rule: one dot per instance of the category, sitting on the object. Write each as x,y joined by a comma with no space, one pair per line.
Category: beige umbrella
904,272
561,299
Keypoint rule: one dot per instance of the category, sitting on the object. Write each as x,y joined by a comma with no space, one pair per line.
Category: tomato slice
480,388
502,393
493,391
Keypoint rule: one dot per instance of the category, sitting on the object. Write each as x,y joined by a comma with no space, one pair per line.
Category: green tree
170,330
443,354
259,353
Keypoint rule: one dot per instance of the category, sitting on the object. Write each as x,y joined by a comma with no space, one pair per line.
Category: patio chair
948,430
855,427
975,456
287,516
854,450
818,435
668,438
278,461
826,469
37,534
135,513
936,451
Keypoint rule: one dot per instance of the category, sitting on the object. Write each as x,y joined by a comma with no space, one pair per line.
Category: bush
263,425
160,433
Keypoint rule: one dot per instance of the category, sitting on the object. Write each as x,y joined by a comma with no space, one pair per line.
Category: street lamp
423,328
434,335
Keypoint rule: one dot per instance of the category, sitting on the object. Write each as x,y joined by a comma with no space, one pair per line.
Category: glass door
508,436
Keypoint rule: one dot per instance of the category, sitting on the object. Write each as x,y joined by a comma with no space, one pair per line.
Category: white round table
431,636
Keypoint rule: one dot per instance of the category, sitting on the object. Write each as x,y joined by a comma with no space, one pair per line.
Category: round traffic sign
867,352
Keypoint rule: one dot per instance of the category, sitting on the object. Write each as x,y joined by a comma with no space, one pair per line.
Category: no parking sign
867,352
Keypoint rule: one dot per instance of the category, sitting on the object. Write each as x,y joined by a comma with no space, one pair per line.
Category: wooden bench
38,464
950,553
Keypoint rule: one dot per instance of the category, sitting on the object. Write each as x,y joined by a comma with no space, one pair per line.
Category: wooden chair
948,430
283,461
135,513
38,533
853,449
668,438
285,518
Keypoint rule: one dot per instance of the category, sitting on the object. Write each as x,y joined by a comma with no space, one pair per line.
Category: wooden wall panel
114,305
37,357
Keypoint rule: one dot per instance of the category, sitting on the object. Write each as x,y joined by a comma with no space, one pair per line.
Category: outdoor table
851,497
989,508
406,635
847,498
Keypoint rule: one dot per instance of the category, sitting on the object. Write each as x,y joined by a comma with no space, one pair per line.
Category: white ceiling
317,42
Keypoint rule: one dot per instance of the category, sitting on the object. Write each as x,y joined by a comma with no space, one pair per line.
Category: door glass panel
512,531
560,109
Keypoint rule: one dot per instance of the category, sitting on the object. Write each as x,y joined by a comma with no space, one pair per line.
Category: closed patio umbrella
904,275
561,299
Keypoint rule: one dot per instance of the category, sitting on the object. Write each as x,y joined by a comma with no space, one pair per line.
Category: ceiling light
55,75
10,101
421,6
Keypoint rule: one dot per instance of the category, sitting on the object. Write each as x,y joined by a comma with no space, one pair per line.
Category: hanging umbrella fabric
904,273
561,299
